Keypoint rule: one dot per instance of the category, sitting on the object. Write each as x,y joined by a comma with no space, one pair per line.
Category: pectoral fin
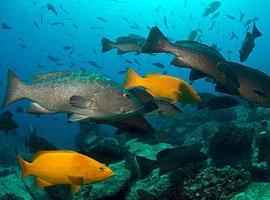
195,75
74,188
78,102
76,117
35,108
76,180
42,183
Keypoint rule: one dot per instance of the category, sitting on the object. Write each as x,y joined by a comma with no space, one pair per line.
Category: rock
215,183
231,145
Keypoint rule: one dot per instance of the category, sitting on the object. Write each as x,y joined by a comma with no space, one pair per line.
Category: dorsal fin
40,153
47,75
163,153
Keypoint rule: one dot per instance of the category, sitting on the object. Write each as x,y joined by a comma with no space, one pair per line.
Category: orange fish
64,167
163,86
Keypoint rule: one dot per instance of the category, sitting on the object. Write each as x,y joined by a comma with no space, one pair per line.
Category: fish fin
15,89
74,188
256,33
178,95
24,166
79,102
230,74
76,117
35,108
163,153
76,180
195,75
40,153
179,63
259,93
146,165
155,42
132,79
42,183
106,44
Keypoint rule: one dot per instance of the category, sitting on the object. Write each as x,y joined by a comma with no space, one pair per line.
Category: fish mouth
112,174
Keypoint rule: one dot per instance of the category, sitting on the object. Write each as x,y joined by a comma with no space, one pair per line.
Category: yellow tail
132,79
25,167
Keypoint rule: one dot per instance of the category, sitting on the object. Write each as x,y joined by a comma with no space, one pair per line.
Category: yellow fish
163,86
64,167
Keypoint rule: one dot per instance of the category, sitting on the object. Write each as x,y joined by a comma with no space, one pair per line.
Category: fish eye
126,95
101,169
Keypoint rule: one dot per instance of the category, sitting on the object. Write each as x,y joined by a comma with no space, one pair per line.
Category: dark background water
49,40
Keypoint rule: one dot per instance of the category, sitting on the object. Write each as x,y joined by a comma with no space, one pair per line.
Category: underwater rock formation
231,145
10,196
215,183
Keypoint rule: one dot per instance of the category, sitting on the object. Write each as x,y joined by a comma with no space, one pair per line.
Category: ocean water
81,24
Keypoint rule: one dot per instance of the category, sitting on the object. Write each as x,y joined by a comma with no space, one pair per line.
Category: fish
162,86
165,22
249,43
5,26
125,44
94,64
254,85
7,123
135,26
212,25
241,16
202,59
102,19
169,160
36,24
75,26
58,23
217,102
74,169
51,8
165,109
230,16
136,61
215,15
68,47
211,8
233,36
35,143
159,65
80,94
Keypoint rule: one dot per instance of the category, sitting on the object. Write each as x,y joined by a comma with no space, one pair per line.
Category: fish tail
155,42
14,89
107,44
255,31
132,79
25,167
146,165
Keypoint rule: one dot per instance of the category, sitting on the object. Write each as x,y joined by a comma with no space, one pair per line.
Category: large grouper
84,96
203,60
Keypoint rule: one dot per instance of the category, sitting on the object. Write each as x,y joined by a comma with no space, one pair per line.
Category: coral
215,183
231,145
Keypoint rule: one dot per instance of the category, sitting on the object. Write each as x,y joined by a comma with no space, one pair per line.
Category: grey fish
254,85
84,95
249,43
50,7
230,16
212,7
202,59
215,15
6,26
125,44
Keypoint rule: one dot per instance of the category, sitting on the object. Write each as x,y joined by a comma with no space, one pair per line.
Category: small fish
249,43
162,86
68,48
212,25
101,19
233,36
57,23
248,22
165,22
125,19
230,16
94,64
215,15
6,26
51,8
124,44
36,24
241,16
94,51
135,26
53,59
74,169
128,61
76,27
7,123
159,65
211,8
23,46
136,61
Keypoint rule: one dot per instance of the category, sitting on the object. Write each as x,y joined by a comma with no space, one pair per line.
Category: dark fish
212,7
57,23
249,43
126,19
68,48
254,85
202,59
248,22
70,53
230,16
124,44
75,26
215,15
165,22
212,25
102,19
51,8
217,102
169,160
94,64
53,59
6,26
241,16
23,46
36,24
7,123
165,109
233,36
135,26
159,65
136,61
35,143
19,109
94,51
